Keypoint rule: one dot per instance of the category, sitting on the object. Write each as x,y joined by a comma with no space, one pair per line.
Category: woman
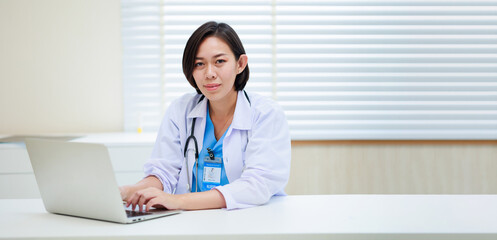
221,147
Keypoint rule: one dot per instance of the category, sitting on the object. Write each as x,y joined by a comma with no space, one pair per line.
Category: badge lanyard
212,171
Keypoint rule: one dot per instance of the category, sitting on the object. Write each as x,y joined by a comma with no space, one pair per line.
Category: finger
134,200
137,199
141,201
144,196
151,203
147,208
131,200
133,206
147,194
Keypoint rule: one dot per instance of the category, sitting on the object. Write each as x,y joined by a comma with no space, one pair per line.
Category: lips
212,87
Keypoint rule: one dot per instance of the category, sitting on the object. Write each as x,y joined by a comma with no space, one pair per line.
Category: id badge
212,173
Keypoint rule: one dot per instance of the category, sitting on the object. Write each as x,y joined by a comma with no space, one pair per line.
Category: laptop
77,179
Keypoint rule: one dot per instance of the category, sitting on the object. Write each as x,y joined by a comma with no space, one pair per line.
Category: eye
199,64
220,61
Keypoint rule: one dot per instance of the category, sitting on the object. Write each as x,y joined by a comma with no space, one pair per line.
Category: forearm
150,181
211,199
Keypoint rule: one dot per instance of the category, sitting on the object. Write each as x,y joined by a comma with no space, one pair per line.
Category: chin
212,97
215,96
209,95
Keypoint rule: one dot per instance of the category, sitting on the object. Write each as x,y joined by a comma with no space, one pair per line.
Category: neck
223,109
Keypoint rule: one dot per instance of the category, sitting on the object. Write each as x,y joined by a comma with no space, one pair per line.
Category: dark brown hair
222,31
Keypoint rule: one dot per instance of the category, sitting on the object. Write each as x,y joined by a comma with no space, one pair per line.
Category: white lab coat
256,149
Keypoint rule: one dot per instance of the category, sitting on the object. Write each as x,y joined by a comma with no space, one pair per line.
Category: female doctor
221,147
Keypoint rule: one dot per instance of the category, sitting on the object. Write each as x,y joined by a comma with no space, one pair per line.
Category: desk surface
292,217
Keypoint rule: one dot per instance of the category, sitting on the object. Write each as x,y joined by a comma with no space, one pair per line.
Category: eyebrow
215,56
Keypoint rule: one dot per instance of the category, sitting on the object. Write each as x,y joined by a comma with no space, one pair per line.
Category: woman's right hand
128,190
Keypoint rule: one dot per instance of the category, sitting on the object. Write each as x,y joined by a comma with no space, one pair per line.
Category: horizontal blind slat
345,69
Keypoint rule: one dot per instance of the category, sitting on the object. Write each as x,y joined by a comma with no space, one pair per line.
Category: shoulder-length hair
222,31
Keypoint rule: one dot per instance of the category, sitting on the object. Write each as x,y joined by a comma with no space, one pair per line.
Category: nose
210,73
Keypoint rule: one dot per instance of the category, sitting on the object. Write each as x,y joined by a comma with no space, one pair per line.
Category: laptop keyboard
130,213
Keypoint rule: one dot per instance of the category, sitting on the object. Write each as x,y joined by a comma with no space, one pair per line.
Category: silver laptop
77,179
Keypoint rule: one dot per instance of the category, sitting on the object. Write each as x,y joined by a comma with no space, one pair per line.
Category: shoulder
263,106
262,103
186,99
180,107
186,102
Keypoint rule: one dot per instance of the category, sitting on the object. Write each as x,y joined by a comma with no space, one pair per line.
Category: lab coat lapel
232,143
242,120
199,112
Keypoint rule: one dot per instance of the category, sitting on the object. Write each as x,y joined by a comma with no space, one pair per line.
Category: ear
242,63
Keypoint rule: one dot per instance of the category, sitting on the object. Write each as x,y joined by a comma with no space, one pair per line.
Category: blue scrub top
217,147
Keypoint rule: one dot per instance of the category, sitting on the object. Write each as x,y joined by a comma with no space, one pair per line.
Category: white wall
60,66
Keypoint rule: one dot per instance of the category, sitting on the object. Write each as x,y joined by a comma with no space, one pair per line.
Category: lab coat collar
243,115
200,109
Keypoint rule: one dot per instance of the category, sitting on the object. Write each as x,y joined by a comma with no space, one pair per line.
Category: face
216,69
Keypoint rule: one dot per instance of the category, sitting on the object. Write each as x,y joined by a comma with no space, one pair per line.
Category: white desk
294,217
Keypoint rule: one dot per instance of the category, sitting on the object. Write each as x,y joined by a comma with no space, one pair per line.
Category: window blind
340,69
154,37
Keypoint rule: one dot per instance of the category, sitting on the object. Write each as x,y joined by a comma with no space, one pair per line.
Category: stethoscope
189,185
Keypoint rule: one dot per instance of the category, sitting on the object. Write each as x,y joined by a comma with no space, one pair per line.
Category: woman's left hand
153,197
